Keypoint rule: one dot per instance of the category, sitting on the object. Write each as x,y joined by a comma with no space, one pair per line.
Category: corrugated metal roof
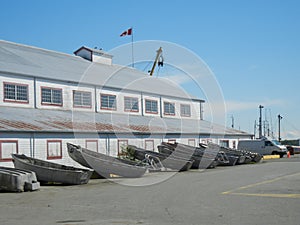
43,120
41,63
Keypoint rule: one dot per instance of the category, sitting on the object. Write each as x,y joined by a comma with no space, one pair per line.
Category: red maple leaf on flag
126,32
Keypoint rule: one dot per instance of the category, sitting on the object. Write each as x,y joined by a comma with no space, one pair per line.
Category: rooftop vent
94,55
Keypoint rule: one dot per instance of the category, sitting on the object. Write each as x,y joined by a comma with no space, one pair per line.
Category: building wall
35,98
36,144
194,108
67,93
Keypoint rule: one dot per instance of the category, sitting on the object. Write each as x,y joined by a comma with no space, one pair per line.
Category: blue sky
251,46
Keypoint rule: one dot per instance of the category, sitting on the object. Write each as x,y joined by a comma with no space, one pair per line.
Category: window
149,145
224,143
16,92
131,104
7,148
234,144
51,96
82,99
185,110
122,144
191,142
108,102
92,145
172,141
268,143
54,149
206,141
151,106
169,108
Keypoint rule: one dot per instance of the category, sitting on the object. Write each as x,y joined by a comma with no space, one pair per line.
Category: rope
147,66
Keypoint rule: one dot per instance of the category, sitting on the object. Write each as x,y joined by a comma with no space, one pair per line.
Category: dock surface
263,193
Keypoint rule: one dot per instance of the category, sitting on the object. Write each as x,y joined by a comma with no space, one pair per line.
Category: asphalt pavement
262,193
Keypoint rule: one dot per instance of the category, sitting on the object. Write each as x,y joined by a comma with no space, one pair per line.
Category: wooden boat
255,157
106,165
52,172
223,158
243,156
234,153
202,159
75,154
168,161
206,156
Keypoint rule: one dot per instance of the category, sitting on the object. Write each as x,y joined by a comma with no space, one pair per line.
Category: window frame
172,141
224,143
50,103
150,141
108,108
82,106
234,144
54,157
169,113
120,141
8,141
92,141
151,112
192,140
131,110
16,100
184,114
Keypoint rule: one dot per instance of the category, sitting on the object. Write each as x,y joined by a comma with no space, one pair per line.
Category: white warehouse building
49,98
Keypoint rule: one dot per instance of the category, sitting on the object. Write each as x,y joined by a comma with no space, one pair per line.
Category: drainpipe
142,104
95,90
160,107
34,93
201,111
107,145
32,145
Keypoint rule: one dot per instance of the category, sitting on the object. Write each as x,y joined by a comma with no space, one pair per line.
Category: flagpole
132,47
126,33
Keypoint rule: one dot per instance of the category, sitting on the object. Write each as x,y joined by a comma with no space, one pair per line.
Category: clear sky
253,47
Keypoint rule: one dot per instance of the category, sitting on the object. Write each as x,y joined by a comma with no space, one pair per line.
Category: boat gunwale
67,168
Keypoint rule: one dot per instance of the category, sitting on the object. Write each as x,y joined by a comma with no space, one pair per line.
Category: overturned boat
168,161
106,165
16,180
48,172
222,158
201,159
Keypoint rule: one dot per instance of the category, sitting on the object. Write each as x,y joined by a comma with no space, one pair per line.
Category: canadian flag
126,32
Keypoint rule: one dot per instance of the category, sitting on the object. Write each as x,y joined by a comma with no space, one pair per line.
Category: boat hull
201,159
172,162
75,154
52,172
106,165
